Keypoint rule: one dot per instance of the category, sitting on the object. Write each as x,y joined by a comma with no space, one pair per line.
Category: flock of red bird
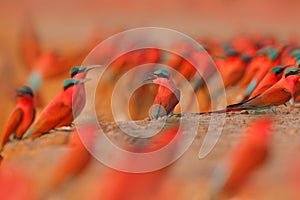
265,71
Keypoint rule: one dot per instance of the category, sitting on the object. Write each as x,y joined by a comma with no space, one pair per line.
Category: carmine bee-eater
16,183
167,96
233,68
126,185
58,112
244,44
258,67
276,95
80,72
272,77
69,165
262,71
23,115
249,154
291,55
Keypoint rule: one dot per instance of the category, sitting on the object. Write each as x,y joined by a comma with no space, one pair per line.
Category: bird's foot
11,137
291,106
171,113
273,108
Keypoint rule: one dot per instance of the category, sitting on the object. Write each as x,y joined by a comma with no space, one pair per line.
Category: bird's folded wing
13,123
52,116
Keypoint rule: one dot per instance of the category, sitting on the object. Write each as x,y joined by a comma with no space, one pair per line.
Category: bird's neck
79,76
292,82
71,92
164,84
26,100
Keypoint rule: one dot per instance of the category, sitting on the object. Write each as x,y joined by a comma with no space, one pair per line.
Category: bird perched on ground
266,59
23,115
276,95
167,96
58,112
272,77
290,56
249,154
233,68
80,72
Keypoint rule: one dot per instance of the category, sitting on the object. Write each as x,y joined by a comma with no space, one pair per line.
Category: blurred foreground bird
148,185
16,184
276,95
250,153
76,159
58,112
23,115
167,96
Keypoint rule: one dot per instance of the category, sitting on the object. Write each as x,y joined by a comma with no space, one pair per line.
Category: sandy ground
189,176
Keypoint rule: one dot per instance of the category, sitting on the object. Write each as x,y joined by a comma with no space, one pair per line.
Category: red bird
167,96
276,95
250,153
290,56
16,184
134,186
23,115
77,159
272,77
234,68
258,67
58,112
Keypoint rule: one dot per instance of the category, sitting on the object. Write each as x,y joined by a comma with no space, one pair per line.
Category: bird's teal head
76,70
270,52
162,73
297,60
79,69
278,70
24,90
71,81
231,52
295,53
291,71
246,58
273,54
